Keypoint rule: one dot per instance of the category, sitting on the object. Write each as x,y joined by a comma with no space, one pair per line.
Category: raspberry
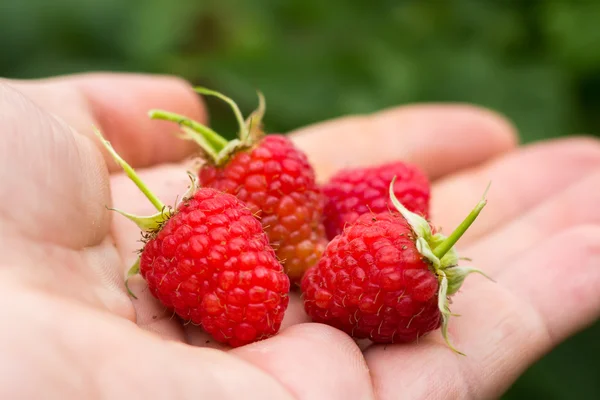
354,192
212,264
374,282
210,261
271,176
276,181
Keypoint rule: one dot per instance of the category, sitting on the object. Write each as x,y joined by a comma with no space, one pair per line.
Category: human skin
70,330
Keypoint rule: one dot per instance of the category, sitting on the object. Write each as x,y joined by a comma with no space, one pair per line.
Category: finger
52,207
313,361
574,206
520,181
89,354
539,300
118,105
54,184
439,138
561,281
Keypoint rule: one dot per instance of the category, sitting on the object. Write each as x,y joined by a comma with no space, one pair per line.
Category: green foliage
538,62
534,61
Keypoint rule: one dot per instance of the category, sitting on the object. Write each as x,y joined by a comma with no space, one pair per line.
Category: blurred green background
536,61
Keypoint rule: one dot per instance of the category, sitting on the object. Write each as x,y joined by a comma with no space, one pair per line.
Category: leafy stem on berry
456,276
254,120
445,310
210,138
133,271
130,172
243,132
440,252
215,146
146,223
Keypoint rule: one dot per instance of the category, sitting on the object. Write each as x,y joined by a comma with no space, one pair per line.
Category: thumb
54,181
60,349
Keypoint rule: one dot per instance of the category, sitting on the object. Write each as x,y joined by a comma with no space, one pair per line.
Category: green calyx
216,148
148,224
440,252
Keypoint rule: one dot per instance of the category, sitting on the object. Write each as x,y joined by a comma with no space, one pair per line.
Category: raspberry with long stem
209,260
268,173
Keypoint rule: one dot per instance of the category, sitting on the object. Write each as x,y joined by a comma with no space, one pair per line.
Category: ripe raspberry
276,181
272,177
387,277
354,192
210,262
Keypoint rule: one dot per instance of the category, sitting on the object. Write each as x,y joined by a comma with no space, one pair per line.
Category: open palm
71,331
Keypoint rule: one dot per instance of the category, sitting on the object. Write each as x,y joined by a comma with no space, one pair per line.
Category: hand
71,331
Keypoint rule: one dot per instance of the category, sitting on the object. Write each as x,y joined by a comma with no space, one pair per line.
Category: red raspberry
354,192
272,177
374,282
210,261
276,181
212,264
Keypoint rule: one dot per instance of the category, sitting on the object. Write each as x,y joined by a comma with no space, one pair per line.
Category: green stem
451,240
243,134
216,141
255,118
130,173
